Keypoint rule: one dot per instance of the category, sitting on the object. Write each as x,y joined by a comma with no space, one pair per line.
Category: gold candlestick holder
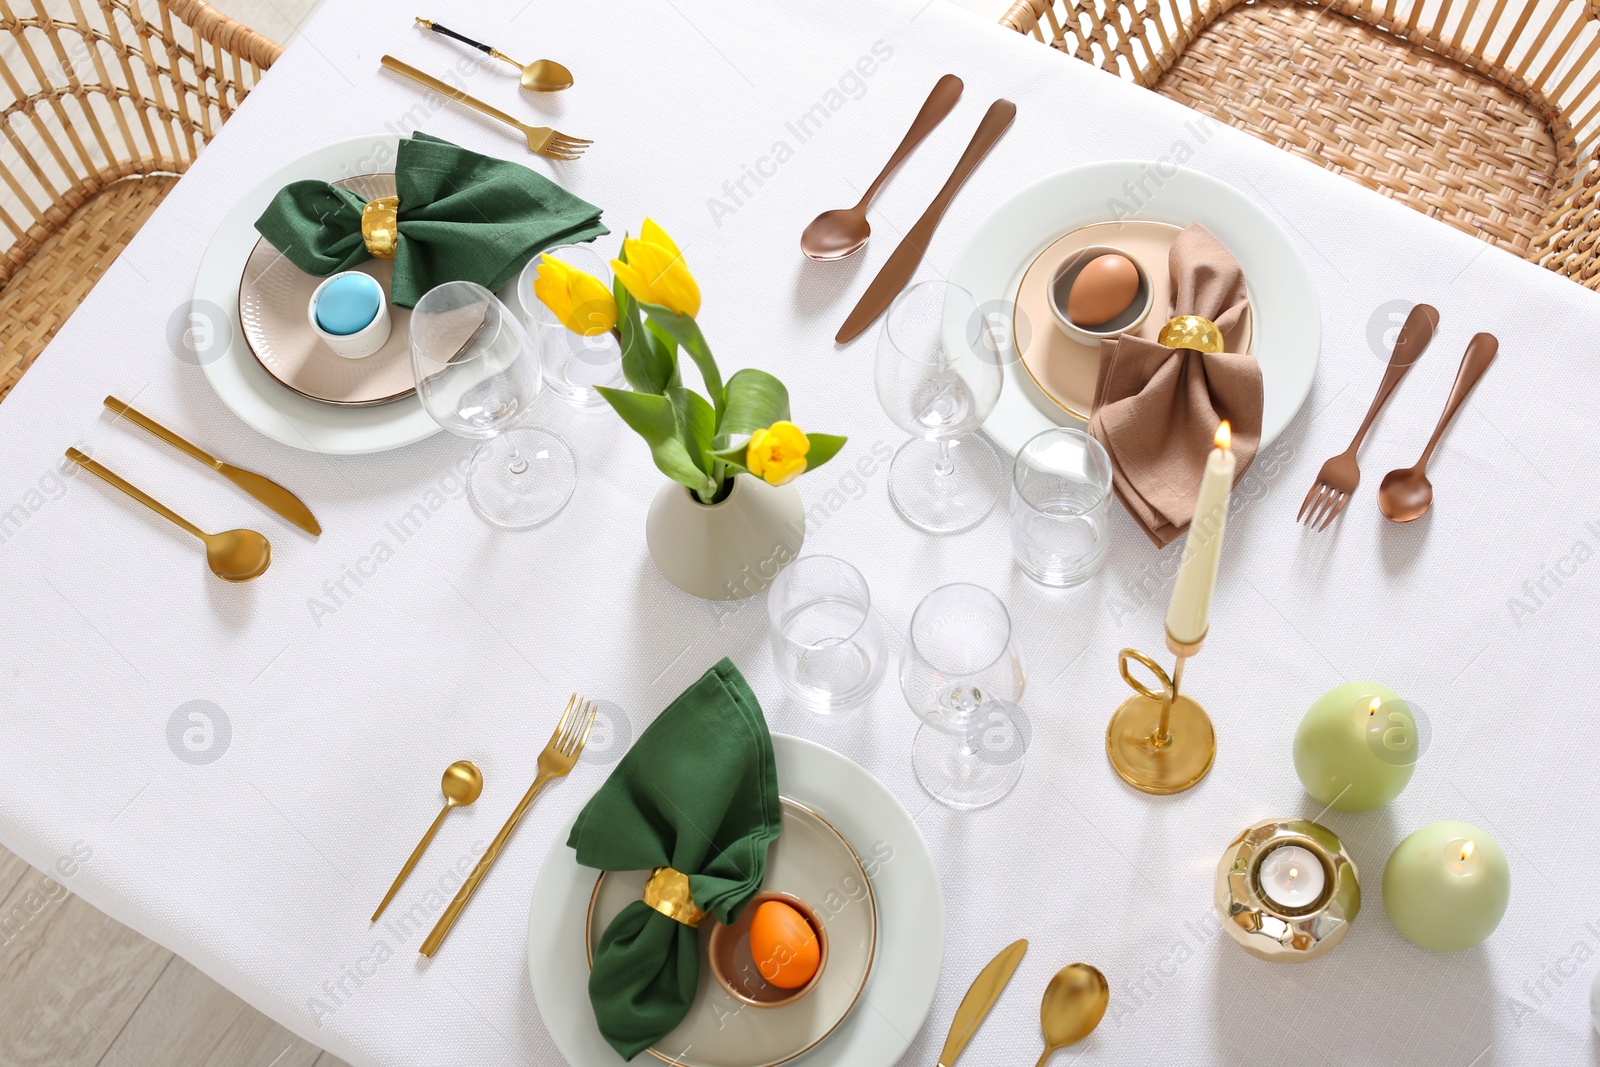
1160,742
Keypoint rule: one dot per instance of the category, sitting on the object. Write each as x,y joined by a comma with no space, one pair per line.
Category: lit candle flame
1466,851
1224,438
1294,872
1372,708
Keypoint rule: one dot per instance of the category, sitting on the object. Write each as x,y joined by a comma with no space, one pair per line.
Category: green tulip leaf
756,400
649,360
655,418
685,331
824,446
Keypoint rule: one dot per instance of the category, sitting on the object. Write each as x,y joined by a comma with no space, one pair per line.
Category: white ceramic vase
729,550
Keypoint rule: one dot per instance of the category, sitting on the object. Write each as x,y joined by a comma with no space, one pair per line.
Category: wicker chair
1484,118
105,102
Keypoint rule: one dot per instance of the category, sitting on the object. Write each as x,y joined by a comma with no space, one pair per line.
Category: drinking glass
938,378
962,674
1060,493
827,642
573,364
477,375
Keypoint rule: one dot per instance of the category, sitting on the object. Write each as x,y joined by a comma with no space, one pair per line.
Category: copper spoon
233,555
844,231
540,76
1074,1003
1406,494
462,784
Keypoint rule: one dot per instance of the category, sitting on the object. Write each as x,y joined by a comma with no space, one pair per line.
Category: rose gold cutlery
560,755
264,489
542,140
1338,479
844,231
902,264
1406,494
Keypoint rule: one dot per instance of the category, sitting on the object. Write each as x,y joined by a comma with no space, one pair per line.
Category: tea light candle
1291,877
1356,747
1446,887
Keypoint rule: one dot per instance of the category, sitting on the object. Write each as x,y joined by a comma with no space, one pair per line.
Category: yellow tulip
655,272
777,455
581,301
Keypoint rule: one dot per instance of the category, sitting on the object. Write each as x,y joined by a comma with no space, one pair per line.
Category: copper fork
557,759
552,144
1337,480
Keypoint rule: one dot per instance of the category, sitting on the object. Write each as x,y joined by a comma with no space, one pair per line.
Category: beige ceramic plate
813,862
1065,369
273,296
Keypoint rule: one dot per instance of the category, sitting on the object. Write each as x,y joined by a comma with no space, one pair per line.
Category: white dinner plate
1286,318
905,885
239,381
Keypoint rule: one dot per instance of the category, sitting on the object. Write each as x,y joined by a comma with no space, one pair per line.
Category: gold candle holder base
1160,742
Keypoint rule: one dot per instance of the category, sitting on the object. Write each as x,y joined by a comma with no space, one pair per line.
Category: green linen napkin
698,792
462,216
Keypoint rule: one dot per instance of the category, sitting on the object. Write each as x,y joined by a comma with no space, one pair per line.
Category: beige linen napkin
1157,409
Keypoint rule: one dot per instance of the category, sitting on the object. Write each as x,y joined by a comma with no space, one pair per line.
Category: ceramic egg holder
1160,741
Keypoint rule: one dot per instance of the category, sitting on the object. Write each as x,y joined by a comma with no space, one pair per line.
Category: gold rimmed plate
812,861
1065,368
273,297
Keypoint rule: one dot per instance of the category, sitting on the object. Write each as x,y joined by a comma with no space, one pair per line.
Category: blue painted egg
348,304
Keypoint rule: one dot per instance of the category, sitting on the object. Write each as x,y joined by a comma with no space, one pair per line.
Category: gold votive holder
1160,740
1269,930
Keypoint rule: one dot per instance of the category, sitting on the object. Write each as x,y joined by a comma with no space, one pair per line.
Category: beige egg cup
735,968
1061,286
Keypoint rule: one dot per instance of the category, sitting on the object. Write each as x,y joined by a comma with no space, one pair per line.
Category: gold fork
557,759
1337,480
549,143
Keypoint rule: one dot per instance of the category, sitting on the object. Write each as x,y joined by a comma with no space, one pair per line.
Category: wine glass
938,379
477,375
573,363
962,674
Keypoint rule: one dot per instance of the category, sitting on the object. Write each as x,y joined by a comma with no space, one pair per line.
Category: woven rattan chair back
104,103
1483,117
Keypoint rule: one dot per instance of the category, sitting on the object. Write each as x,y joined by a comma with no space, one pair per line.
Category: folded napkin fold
462,216
1156,409
697,792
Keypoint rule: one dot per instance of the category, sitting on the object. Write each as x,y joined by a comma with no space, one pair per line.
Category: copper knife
902,265
262,488
986,989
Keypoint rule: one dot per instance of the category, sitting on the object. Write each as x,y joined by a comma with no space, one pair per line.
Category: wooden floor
78,989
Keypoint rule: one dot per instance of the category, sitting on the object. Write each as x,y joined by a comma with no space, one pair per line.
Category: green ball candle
1356,747
1446,886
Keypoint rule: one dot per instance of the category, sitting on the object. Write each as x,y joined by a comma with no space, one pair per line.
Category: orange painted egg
783,945
1103,289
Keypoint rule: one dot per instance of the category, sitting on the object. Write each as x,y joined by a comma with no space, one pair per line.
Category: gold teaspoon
540,76
1074,1003
463,783
233,555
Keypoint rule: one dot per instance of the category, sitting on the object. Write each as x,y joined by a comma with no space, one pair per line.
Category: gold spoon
540,76
1074,1003
463,783
233,555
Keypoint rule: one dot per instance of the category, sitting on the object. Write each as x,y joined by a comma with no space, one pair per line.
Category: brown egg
1103,289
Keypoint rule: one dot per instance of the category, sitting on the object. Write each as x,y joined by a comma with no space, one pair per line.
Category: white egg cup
365,341
1061,287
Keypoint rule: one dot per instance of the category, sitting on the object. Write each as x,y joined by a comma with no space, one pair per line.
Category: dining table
237,771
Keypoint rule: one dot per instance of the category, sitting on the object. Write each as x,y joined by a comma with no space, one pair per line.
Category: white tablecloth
341,684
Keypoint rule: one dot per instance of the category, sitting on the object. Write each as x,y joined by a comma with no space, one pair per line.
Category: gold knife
263,489
902,265
986,989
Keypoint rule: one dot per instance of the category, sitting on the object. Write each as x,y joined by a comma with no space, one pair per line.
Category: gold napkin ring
667,891
380,226
1192,332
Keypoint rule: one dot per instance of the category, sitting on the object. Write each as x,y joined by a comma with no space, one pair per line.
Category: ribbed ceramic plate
273,296
811,861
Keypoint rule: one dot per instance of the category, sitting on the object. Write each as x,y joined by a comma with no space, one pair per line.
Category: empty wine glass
477,375
962,674
938,378
573,363
827,642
